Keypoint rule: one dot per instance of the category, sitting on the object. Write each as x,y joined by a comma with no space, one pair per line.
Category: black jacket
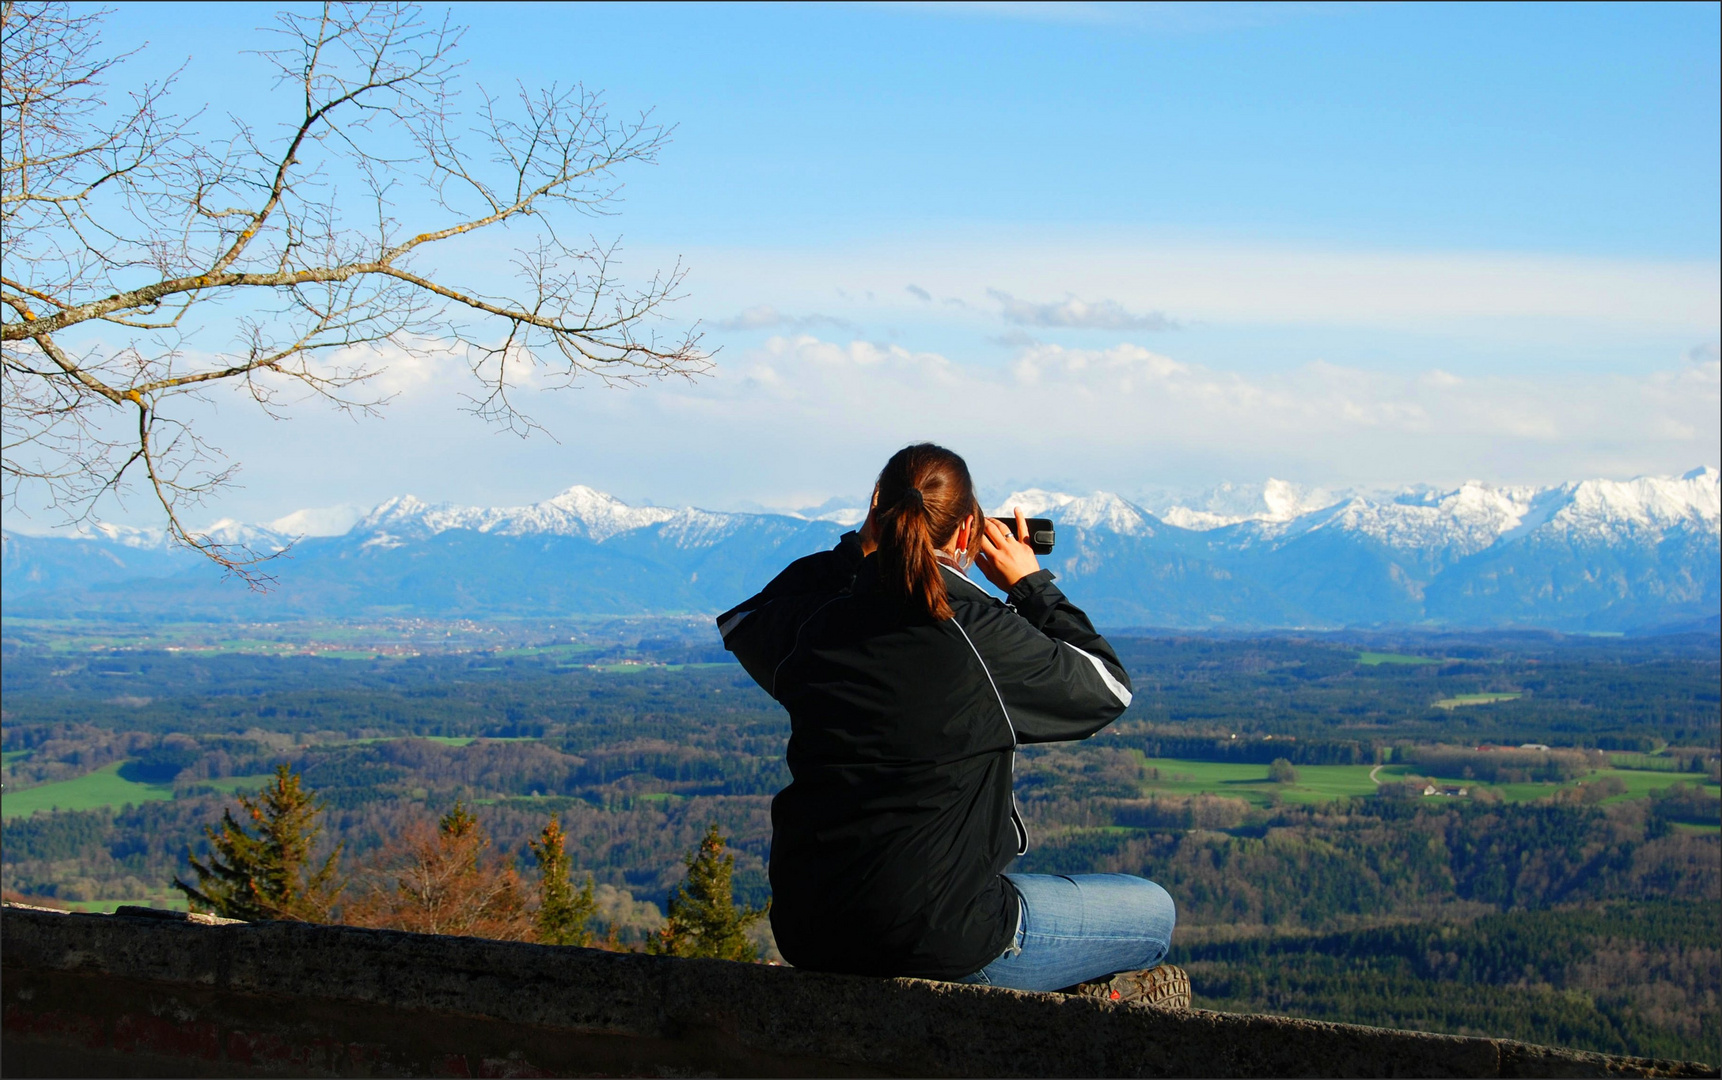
889,842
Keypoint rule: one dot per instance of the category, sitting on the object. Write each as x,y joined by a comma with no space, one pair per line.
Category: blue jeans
1085,926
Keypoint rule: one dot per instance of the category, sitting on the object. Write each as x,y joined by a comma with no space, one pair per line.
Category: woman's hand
1005,558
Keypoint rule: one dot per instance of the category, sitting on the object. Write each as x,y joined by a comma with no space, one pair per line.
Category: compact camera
1040,532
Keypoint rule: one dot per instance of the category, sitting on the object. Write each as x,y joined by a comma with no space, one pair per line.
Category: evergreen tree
562,913
704,920
459,824
267,875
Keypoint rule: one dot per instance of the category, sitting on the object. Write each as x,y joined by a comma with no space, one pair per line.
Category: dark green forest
1632,978
1568,913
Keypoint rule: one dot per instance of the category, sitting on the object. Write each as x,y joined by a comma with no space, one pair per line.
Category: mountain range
1589,556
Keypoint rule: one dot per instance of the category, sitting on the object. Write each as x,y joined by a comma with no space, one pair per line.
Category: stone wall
136,995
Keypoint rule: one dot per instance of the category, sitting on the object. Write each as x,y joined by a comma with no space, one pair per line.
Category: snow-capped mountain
1231,504
578,511
1103,511
1593,555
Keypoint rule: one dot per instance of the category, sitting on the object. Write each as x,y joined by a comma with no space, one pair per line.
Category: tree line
1631,978
1630,696
445,878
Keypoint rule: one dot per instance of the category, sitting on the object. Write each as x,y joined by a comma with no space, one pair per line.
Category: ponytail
923,495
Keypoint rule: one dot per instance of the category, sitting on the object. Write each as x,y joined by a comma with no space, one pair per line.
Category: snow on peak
1102,510
1275,502
318,521
230,533
1476,515
1447,523
1611,509
1284,500
1459,522
578,511
124,535
848,516
226,532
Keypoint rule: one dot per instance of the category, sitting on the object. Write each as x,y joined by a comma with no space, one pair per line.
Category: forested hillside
1274,785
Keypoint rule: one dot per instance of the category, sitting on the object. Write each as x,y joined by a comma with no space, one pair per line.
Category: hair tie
916,492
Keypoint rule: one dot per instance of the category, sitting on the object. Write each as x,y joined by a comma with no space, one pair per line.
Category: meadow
1322,783
103,788
106,789
1376,659
1461,700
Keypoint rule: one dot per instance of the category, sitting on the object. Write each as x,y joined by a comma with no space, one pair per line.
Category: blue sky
1558,129
1120,247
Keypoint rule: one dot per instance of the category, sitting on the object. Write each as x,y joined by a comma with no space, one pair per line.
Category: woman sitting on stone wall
908,689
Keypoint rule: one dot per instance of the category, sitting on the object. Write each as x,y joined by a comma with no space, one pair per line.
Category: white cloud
1122,416
754,318
1073,313
319,521
765,317
1498,296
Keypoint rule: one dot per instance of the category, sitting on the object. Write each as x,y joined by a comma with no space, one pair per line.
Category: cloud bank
1499,368
802,417
766,317
1125,417
1495,295
1072,313
1132,397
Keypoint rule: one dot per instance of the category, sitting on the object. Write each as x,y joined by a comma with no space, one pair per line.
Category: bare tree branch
124,218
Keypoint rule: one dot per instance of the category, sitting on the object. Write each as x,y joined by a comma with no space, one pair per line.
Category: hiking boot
1164,987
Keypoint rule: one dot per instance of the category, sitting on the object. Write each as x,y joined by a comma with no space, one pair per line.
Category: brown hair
923,495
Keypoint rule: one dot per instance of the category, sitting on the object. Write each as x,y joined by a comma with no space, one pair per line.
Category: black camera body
1041,535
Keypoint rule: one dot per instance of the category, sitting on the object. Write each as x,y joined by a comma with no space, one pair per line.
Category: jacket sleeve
1056,677
761,630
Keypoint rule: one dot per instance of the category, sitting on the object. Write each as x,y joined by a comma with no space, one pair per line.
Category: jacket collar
956,583
967,588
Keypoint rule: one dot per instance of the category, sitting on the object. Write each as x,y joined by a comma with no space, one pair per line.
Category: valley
1299,794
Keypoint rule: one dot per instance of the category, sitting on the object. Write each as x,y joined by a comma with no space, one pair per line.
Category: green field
229,785
1375,659
1698,830
1647,762
1321,783
1460,700
1316,783
164,901
104,787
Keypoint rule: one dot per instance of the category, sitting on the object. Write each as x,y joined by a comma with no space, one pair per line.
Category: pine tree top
703,919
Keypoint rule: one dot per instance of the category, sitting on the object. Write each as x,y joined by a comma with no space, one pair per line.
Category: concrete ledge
122,995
